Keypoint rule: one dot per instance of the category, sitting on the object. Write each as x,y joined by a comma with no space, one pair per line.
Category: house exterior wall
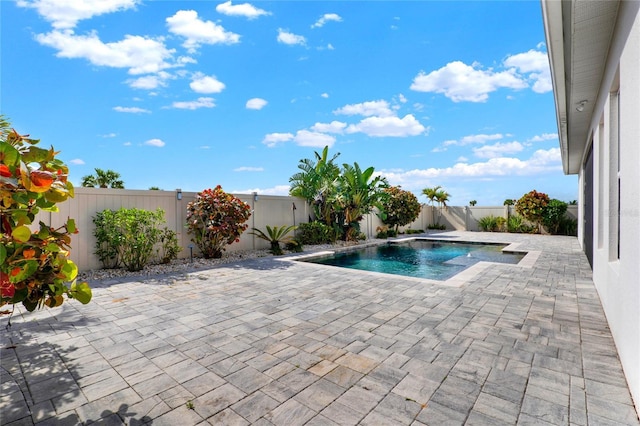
616,271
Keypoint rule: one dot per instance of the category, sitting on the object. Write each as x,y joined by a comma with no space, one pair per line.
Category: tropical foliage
339,196
399,207
103,179
216,219
132,237
275,236
531,206
441,197
34,264
492,223
316,183
315,233
553,214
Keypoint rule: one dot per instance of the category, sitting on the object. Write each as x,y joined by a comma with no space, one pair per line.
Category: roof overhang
584,41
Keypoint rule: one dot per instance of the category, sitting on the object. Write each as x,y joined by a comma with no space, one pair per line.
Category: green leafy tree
139,231
103,179
473,203
399,207
531,206
34,264
358,192
553,215
216,219
509,202
316,183
430,193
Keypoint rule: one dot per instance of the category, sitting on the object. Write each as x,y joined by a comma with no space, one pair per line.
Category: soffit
586,32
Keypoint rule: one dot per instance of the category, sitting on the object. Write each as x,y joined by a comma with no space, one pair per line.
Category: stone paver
276,342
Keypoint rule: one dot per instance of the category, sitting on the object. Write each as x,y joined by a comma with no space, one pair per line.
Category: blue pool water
436,260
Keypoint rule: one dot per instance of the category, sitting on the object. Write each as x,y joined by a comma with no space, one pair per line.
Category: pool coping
458,280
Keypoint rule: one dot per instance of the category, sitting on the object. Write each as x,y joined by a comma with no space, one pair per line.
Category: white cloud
461,82
327,17
285,37
313,139
541,162
248,169
333,127
141,55
480,138
201,83
388,126
109,135
378,108
273,139
155,142
462,159
131,110
498,149
256,103
402,99
198,103
76,161
127,144
186,23
150,82
544,137
65,14
245,10
325,95
276,190
536,64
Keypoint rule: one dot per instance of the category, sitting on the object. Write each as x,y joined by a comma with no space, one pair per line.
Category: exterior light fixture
255,196
178,194
580,105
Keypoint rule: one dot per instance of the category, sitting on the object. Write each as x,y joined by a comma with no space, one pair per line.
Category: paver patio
276,342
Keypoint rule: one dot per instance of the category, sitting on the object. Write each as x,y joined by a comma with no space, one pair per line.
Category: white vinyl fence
267,210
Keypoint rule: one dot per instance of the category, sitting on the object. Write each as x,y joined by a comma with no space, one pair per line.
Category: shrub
33,264
295,246
275,236
107,239
516,224
139,232
553,214
216,219
169,247
414,231
437,226
315,233
490,223
531,206
399,207
568,226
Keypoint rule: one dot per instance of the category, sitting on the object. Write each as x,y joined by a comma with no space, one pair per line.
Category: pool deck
278,342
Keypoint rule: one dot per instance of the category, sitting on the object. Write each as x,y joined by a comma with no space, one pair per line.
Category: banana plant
275,236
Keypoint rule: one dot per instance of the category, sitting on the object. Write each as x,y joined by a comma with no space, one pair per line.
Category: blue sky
181,94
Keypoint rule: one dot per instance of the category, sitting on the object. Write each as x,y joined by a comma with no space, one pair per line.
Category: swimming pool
420,258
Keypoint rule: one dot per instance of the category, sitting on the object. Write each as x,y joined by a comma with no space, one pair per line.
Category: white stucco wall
618,280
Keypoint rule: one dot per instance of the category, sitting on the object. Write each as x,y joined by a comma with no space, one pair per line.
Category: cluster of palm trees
340,196
437,195
103,179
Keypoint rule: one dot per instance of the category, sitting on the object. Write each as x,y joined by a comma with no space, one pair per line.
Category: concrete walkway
286,343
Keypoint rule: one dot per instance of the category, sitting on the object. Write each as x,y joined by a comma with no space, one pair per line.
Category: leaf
8,154
81,292
69,270
71,226
3,254
21,234
21,274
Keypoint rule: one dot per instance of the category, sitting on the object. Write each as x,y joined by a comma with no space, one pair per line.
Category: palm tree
103,179
441,197
358,192
275,236
316,183
431,193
